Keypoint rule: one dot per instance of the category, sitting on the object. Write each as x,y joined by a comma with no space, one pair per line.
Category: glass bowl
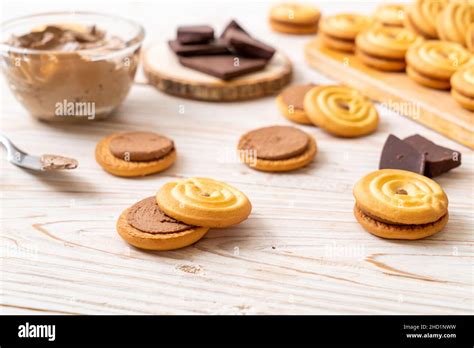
71,84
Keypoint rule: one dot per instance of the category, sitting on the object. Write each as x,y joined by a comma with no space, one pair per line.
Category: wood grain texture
164,71
300,252
435,109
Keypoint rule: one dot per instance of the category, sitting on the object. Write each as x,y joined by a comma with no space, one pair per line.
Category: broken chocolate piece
244,45
194,34
439,159
224,67
397,154
218,46
233,25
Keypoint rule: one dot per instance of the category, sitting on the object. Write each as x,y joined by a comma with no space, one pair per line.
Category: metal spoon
42,163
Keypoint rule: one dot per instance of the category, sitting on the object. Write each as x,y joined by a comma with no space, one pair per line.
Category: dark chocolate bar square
439,159
218,46
194,34
224,67
397,154
244,45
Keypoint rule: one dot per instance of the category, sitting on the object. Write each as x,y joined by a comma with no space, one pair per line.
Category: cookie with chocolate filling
277,148
290,103
135,153
397,204
145,226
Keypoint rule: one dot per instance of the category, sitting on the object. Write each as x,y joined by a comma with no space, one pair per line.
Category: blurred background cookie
454,20
385,47
421,17
341,111
290,103
293,18
432,63
392,15
462,83
338,32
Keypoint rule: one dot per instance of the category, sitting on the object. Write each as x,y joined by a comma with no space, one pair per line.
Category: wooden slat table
300,252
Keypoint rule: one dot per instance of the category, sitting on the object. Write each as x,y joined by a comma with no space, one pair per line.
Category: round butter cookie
462,83
454,20
293,18
421,17
341,111
203,202
392,15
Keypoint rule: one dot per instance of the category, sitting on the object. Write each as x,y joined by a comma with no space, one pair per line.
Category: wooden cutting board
163,70
432,108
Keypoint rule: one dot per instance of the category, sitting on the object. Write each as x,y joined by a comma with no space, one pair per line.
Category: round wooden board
163,70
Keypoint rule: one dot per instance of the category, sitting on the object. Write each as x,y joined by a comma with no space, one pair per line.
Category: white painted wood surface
300,252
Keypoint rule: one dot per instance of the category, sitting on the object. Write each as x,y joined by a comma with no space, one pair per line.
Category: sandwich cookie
135,153
397,204
277,149
384,47
290,103
338,32
294,19
462,83
454,21
392,15
432,63
341,111
146,226
470,38
421,17
203,202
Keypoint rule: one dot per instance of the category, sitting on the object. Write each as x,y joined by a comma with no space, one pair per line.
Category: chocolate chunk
275,142
193,34
397,154
224,67
233,25
147,216
439,159
140,146
218,46
244,45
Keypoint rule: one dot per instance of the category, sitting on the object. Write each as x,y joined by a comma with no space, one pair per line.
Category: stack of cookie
181,213
338,32
294,19
432,63
384,47
462,83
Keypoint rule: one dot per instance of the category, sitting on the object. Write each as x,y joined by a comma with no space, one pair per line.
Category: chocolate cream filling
387,222
140,146
147,216
275,143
